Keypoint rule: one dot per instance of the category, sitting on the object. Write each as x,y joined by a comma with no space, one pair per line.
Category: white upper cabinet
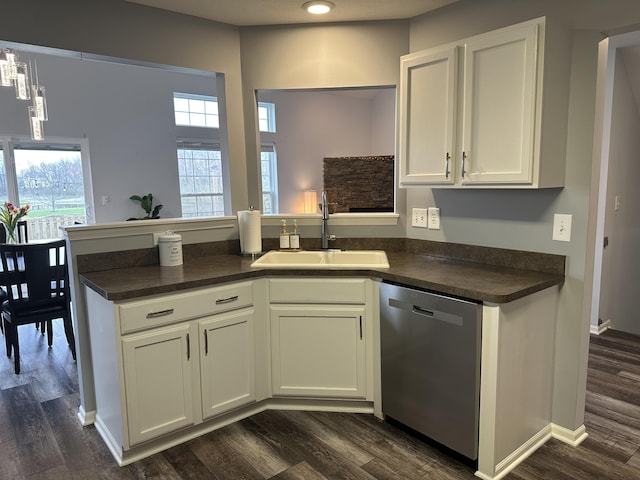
427,116
473,113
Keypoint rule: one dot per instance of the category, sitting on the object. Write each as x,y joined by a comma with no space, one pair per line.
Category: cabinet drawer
166,309
321,290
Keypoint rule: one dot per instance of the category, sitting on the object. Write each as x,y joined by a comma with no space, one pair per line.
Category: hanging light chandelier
14,73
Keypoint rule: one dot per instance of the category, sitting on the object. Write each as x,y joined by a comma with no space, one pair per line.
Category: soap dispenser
284,236
294,237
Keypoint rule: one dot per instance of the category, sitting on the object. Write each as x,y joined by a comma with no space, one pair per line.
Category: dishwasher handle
427,312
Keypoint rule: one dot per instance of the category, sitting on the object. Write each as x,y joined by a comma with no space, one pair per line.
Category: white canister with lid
170,248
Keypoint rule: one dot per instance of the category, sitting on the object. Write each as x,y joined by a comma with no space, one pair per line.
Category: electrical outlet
561,227
419,217
106,200
434,218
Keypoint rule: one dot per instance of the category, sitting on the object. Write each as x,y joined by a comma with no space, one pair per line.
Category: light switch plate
433,222
561,227
419,217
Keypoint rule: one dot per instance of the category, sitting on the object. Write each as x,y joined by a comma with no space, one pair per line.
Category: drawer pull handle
161,313
222,301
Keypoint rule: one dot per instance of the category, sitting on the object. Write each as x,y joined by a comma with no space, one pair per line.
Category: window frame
194,96
270,147
8,145
208,147
271,116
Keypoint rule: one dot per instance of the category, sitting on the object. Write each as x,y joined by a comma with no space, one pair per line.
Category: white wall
126,114
621,259
312,125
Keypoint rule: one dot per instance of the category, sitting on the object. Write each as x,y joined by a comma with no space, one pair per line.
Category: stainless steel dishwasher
430,352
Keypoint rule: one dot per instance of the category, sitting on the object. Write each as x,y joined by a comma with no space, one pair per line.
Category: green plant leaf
156,211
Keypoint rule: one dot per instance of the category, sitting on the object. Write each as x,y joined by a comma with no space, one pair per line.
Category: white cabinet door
427,116
499,107
227,361
318,351
158,377
475,113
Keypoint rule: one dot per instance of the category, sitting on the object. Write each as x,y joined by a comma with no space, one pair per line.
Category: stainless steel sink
323,259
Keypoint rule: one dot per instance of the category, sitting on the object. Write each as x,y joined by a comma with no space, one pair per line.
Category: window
3,178
196,110
269,169
268,161
47,176
267,117
201,179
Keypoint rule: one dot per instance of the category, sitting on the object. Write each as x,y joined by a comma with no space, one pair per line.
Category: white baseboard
600,329
86,418
572,437
519,455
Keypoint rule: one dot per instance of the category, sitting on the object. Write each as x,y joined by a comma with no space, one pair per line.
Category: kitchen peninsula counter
448,275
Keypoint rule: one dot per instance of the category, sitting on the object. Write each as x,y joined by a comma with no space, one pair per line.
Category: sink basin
323,259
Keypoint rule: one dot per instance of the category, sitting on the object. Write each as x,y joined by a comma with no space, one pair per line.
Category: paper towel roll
250,229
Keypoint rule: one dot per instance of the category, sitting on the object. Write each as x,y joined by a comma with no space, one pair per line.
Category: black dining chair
36,279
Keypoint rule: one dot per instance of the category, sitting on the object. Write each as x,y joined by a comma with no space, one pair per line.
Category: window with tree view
201,184
49,178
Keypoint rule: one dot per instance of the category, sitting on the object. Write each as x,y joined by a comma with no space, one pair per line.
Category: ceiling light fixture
318,7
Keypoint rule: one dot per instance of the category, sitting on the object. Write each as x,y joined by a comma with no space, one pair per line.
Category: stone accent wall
356,183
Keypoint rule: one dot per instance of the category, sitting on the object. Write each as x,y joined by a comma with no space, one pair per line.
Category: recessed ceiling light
318,7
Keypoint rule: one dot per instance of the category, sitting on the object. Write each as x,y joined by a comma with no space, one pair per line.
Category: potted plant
146,202
9,216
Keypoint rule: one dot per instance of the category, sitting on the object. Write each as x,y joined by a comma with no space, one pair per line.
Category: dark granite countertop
477,281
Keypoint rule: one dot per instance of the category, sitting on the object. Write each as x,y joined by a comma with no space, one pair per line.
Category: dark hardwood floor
40,437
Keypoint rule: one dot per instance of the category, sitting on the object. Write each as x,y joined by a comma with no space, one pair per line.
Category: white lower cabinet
318,351
321,337
159,381
226,362
170,367
161,373
170,362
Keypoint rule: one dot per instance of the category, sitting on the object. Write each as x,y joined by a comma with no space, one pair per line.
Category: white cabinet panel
318,351
499,107
158,379
318,290
427,125
227,361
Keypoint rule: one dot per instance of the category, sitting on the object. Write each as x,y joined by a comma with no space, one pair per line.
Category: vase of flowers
9,216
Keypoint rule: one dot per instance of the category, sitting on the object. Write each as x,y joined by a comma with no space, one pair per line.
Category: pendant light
39,97
35,124
21,82
7,67
16,74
